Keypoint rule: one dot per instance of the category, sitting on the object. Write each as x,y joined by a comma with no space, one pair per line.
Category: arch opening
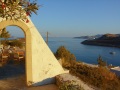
28,53
12,55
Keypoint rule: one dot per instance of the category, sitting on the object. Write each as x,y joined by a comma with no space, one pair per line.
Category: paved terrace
12,77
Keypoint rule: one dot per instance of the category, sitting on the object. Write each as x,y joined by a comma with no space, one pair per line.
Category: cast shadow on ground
11,70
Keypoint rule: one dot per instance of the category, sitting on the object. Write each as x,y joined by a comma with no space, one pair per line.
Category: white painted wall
44,65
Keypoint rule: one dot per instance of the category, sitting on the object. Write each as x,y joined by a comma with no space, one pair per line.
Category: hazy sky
71,18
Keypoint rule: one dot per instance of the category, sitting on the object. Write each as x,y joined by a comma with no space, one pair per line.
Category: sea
85,53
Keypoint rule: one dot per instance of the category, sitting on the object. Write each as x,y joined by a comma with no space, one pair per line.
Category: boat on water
112,52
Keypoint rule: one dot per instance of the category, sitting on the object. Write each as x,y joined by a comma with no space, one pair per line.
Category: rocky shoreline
100,43
109,40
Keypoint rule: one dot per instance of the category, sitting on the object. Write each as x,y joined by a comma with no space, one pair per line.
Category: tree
65,55
101,62
5,34
17,9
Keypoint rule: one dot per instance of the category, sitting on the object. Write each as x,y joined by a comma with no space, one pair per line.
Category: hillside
111,40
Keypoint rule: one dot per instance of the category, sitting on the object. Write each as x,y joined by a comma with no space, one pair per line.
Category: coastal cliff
110,40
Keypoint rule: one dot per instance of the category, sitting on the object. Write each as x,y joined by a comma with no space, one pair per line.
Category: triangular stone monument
41,65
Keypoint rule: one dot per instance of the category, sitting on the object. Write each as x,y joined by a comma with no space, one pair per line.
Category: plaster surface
41,64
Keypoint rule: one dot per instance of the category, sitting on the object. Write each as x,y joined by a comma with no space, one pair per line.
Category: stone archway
41,65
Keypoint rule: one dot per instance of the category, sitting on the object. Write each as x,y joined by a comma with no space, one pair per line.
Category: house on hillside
116,70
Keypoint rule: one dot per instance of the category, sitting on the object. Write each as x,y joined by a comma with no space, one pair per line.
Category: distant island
89,37
110,40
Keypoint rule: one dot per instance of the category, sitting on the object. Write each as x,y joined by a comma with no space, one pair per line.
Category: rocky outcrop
111,40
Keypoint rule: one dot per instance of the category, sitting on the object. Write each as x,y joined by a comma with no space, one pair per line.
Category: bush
100,77
65,55
101,62
15,43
